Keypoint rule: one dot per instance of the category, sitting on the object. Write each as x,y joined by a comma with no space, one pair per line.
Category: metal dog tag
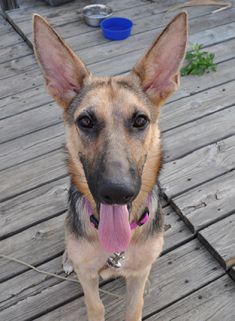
115,260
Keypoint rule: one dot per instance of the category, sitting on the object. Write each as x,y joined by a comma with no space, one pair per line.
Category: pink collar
95,222
143,219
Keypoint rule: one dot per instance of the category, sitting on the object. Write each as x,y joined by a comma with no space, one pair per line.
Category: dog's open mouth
114,227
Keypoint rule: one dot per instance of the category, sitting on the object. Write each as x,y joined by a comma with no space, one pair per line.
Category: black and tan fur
115,151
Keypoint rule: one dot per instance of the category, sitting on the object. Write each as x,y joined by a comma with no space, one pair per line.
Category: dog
114,225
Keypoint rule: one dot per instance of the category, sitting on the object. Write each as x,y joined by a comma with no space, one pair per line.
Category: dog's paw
67,264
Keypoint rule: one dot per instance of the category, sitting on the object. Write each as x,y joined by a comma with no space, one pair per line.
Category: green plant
198,61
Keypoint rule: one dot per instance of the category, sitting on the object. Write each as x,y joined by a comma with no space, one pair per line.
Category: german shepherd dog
114,225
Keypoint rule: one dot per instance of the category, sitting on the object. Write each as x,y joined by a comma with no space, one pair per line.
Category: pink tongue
114,228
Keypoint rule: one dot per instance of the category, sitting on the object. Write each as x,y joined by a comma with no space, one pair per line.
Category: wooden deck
193,279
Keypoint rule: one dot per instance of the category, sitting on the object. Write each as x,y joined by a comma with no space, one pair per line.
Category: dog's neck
79,215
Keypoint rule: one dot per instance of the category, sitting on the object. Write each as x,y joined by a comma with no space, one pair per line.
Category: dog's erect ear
159,69
63,71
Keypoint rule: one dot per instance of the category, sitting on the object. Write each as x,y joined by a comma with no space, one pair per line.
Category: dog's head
111,123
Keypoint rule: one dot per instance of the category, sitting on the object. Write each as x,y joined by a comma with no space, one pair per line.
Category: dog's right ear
63,71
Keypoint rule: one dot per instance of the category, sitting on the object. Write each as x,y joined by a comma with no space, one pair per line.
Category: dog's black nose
114,193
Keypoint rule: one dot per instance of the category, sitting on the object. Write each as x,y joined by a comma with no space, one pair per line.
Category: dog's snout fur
119,181
113,177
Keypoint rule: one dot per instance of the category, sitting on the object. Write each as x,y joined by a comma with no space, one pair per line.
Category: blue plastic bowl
116,28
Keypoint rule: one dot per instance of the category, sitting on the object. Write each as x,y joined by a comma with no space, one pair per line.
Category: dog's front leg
90,285
135,295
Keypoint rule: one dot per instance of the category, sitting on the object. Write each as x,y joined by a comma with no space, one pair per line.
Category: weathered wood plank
9,38
34,246
34,305
5,26
21,65
176,232
207,203
31,174
8,35
22,101
181,111
30,283
213,302
232,273
198,167
185,139
219,238
35,119
17,48
175,274
36,206
14,52
20,82
30,146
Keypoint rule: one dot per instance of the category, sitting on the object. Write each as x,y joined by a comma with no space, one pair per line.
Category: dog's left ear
159,69
63,71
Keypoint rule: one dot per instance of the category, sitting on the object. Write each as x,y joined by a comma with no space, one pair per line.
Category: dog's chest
135,259
90,258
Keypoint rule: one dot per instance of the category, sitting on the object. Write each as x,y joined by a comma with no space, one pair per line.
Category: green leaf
198,62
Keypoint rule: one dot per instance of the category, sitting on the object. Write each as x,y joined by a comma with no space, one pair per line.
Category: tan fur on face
114,101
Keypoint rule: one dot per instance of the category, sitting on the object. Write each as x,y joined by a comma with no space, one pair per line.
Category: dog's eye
140,121
85,122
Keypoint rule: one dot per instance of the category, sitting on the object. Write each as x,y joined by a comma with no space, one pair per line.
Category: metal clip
115,260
